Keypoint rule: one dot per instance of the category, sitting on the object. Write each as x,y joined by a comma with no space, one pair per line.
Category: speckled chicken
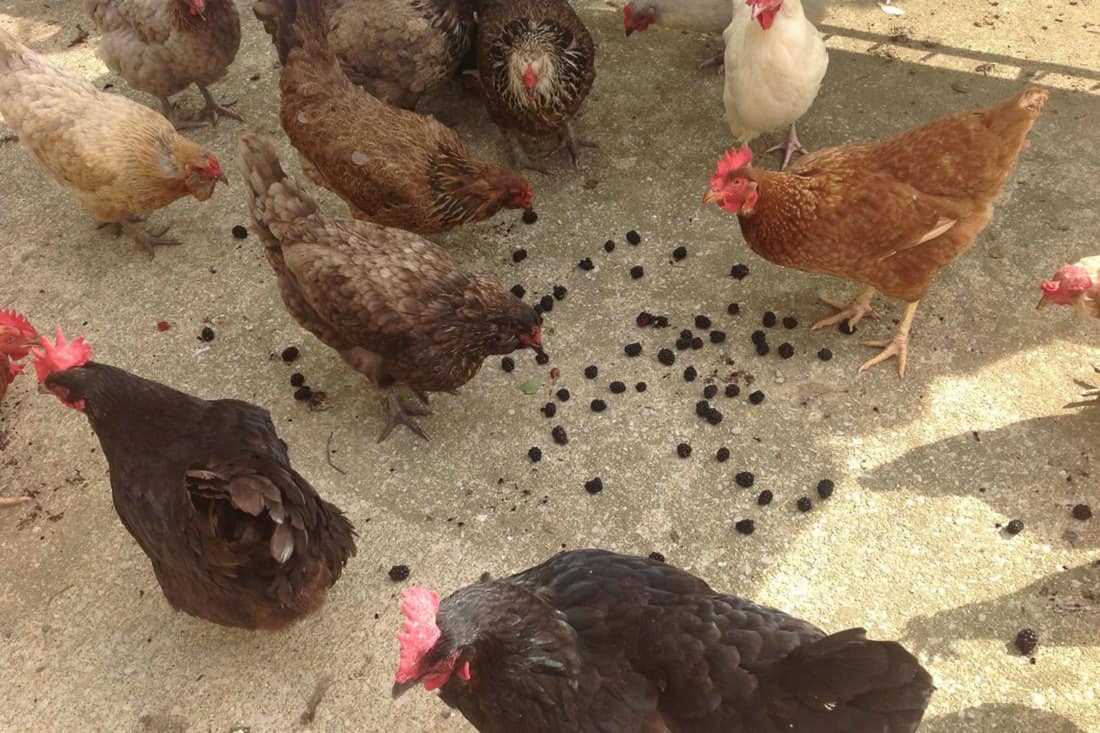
398,50
393,305
593,641
537,63
118,158
163,46
234,534
392,166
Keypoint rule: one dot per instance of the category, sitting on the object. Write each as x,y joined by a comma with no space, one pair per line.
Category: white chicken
775,61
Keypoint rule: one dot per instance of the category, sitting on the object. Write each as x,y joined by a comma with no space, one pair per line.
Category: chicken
537,63
392,166
889,215
393,305
1078,286
595,641
163,46
775,61
118,158
398,50
17,336
234,534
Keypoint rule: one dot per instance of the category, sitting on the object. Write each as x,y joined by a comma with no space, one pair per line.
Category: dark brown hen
537,64
592,642
393,304
393,167
234,534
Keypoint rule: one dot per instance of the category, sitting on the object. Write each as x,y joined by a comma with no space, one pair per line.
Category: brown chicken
392,166
392,304
890,215
594,641
163,46
234,534
398,50
118,158
537,63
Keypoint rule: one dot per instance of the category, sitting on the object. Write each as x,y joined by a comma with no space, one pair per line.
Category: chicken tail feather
273,196
297,24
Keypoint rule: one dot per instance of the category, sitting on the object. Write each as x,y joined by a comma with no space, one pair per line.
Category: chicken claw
522,159
717,61
571,140
789,146
897,346
1089,392
13,500
402,414
214,108
147,240
853,312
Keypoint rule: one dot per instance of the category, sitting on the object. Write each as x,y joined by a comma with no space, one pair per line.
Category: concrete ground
927,469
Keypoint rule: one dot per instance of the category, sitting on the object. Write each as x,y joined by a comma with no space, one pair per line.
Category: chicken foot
214,108
897,346
789,146
521,158
574,142
402,413
717,61
853,312
1090,393
144,240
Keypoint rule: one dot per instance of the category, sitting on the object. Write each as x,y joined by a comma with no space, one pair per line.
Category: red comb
60,356
736,159
420,634
628,16
214,168
18,321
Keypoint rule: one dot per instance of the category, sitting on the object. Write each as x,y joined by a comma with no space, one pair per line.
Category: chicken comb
1072,278
736,159
628,16
16,320
420,606
214,170
61,356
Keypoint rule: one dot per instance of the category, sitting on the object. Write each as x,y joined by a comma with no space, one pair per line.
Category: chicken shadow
999,717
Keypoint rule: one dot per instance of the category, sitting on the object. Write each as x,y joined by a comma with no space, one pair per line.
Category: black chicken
235,536
595,642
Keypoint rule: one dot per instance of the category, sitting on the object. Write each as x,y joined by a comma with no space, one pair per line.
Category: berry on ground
507,363
683,450
732,390
562,394
303,394
825,488
594,486
1016,526
702,322
756,397
637,271
640,386
739,272
559,292
824,355
745,479
717,337
519,255
679,253
297,379
530,217
549,409
1082,512
786,351
591,371
239,232
398,573
723,454
658,557
769,319
745,526
710,391
790,322
733,309
690,374
598,405
804,504
1026,641
542,358
290,353
765,497
632,349
518,290
666,357
535,454
617,387
609,245
586,264
633,237
559,436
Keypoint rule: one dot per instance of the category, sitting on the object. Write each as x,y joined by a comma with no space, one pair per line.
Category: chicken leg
789,146
897,346
1090,393
852,312
214,108
402,413
143,240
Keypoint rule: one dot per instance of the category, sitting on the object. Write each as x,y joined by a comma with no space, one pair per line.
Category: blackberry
637,271
518,290
739,272
640,386
633,237
666,357
824,355
529,216
763,349
1082,512
549,409
1026,641
786,351
713,416
1016,526
547,303
679,253
297,379
398,573
769,319
690,374
682,344
697,343
559,292
717,337
593,486
206,334
519,255
535,454
759,337
765,497
745,479
732,390
290,354
710,391
542,358
609,245
617,387
701,408
745,526
660,322
562,394
303,394
804,504
559,436
825,488
586,264
756,397
507,363
656,556
683,450
723,454
846,328
632,349
643,319
598,405
239,232
733,309
702,322
686,334
591,371
790,322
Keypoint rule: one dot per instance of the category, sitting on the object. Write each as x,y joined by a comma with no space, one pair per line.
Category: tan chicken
392,166
163,46
118,158
890,215
392,304
398,50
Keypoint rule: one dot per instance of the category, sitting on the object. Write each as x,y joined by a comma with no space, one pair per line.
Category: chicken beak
42,389
1043,303
400,688
711,196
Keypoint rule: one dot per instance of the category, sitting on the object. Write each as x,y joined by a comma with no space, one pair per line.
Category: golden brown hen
118,158
392,166
890,215
392,304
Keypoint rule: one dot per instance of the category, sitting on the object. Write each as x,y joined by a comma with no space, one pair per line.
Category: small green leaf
530,386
